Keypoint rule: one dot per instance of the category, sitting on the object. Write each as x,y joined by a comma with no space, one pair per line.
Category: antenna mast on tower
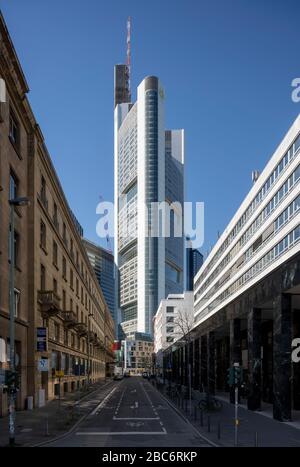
129,55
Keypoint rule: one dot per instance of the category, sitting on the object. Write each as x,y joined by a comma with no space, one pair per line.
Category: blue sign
41,339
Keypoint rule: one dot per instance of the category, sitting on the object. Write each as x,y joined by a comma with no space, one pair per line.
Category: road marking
136,418
99,407
120,433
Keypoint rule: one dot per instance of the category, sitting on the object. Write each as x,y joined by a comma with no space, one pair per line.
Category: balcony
92,337
49,301
81,329
69,317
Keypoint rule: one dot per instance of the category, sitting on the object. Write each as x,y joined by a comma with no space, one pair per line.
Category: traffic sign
43,364
59,373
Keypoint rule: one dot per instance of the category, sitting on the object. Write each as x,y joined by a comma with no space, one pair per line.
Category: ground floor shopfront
257,331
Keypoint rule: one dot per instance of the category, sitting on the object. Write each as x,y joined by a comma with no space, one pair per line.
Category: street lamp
12,389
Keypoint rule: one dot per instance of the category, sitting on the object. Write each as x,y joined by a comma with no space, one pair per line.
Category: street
133,413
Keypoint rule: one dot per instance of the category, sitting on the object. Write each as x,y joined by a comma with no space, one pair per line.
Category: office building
103,264
149,166
194,261
246,294
173,319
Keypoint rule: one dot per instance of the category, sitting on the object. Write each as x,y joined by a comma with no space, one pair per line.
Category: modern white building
247,295
263,234
149,168
174,317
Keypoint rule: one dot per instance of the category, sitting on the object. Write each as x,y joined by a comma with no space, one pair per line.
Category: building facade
149,164
138,354
247,292
63,331
194,261
103,264
174,317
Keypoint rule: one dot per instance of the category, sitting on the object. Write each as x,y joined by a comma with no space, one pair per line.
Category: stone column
203,360
254,359
235,347
211,363
282,338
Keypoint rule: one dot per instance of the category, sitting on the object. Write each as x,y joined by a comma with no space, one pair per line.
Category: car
118,377
126,374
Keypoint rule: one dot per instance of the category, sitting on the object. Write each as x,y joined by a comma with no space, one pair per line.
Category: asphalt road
133,413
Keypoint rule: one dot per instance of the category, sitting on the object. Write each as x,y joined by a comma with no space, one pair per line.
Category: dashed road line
102,403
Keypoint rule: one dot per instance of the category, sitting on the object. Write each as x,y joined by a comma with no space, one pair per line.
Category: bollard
201,417
195,412
208,423
256,439
219,430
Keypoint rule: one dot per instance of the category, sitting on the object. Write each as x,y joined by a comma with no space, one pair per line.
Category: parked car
118,377
126,374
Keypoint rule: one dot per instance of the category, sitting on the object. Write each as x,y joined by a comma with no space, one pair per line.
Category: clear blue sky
227,67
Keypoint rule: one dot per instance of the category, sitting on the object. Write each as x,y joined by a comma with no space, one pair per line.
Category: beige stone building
57,293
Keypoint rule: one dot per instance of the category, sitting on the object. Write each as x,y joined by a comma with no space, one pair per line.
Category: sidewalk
254,427
55,418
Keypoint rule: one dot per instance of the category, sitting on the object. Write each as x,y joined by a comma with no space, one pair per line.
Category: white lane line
119,433
99,407
135,418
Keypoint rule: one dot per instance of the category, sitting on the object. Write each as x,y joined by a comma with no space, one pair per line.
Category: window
170,309
64,268
71,304
64,233
17,302
71,278
54,285
16,248
73,340
43,277
170,319
43,235
72,248
77,287
55,215
56,332
170,339
170,329
43,192
14,130
64,300
54,253
66,337
13,186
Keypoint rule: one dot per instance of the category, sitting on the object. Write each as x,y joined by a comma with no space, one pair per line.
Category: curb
67,433
187,420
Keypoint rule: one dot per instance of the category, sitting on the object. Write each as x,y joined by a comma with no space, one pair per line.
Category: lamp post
12,388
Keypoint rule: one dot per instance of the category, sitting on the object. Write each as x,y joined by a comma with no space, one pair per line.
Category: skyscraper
194,261
149,169
102,262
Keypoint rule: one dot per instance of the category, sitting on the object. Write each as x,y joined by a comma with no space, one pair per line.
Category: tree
183,325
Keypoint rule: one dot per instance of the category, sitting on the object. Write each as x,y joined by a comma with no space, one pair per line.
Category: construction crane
129,54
